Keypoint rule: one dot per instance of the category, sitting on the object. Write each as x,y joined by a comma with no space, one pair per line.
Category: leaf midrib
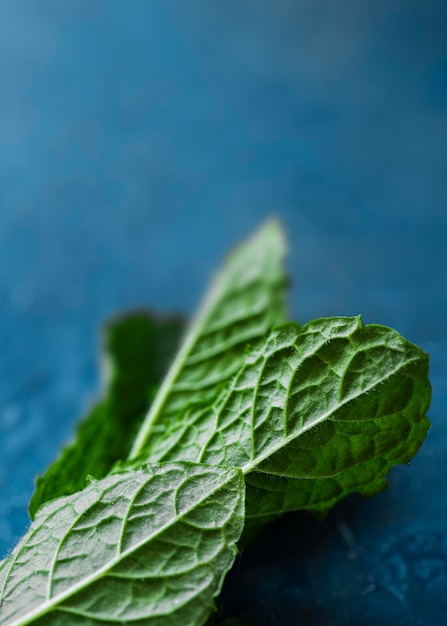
180,360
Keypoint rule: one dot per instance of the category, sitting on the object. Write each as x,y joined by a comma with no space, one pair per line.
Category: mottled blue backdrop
139,139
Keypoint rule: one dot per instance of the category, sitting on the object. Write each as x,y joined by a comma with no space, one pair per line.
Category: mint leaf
245,300
314,414
146,547
307,415
137,352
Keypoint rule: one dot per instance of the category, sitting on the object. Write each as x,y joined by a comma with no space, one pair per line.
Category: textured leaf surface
245,300
314,414
137,352
147,547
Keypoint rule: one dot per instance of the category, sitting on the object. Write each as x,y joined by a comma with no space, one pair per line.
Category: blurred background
139,140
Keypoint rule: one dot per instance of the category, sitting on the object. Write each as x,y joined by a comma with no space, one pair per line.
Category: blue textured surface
138,141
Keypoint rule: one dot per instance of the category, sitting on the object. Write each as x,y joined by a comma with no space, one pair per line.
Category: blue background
139,140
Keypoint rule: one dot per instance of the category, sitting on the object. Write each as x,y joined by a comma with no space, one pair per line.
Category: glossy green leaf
315,413
245,300
137,351
147,547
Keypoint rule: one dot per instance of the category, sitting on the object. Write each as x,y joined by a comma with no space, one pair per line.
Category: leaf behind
136,354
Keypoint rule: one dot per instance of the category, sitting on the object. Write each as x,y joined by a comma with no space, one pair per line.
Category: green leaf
314,414
147,547
245,300
137,352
